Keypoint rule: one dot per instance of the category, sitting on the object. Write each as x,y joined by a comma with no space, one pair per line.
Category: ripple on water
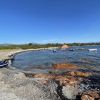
45,58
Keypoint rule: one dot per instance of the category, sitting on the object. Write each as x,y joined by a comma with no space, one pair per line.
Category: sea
41,60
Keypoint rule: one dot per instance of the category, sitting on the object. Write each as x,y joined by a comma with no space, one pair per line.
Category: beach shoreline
5,54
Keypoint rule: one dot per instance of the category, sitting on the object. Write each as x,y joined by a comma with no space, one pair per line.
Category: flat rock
14,85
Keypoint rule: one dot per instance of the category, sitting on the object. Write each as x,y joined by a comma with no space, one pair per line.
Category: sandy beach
4,54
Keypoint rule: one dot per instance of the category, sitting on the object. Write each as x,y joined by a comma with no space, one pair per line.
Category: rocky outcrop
64,47
69,83
14,85
70,92
79,73
62,79
66,85
91,95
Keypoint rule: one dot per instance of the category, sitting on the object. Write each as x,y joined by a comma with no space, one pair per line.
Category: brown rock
67,80
81,74
65,46
44,82
91,95
42,75
64,66
87,97
62,79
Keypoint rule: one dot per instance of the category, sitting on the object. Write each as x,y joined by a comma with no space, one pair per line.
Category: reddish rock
64,66
79,73
91,95
65,46
87,97
67,80
62,79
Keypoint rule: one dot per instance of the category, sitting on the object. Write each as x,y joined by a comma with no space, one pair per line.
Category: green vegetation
84,44
35,46
29,46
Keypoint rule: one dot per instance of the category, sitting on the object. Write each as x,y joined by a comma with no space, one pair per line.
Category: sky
45,21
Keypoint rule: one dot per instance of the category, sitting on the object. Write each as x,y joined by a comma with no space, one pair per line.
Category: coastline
4,54
17,85
55,85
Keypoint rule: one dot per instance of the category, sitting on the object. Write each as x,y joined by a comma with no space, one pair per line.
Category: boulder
87,97
64,46
70,92
14,85
91,95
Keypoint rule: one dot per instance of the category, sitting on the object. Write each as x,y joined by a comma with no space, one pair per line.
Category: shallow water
39,60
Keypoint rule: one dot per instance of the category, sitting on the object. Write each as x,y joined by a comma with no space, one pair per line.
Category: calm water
43,59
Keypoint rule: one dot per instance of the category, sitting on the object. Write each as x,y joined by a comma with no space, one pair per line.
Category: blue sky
43,21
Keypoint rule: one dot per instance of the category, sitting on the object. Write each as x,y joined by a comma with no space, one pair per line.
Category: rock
87,97
20,76
14,85
64,47
64,81
46,76
42,75
9,96
79,73
91,95
68,87
70,92
1,75
64,66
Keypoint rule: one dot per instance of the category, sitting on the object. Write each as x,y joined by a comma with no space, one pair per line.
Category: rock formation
68,85
64,47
